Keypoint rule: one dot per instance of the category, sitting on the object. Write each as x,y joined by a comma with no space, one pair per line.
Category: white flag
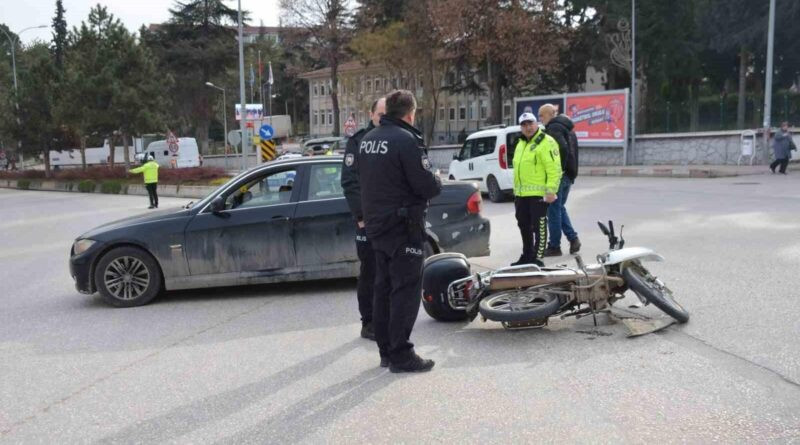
270,81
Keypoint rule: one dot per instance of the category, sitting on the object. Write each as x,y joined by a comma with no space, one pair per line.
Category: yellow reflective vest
150,170
537,166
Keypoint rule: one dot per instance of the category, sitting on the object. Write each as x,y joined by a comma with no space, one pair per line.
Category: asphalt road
284,363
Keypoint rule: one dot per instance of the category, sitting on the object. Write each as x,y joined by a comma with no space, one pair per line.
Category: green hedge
23,184
113,187
87,186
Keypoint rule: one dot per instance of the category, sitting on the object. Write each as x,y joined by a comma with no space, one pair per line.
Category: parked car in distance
486,158
280,221
321,145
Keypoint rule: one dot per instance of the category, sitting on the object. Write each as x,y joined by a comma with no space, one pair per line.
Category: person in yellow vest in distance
537,175
150,171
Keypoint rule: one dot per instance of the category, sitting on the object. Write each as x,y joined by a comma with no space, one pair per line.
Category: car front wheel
127,276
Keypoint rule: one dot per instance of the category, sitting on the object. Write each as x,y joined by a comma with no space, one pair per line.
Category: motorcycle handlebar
611,227
603,228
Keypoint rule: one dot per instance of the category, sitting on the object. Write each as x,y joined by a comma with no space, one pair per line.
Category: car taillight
502,158
474,203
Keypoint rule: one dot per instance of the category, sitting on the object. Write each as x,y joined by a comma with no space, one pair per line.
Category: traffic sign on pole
266,132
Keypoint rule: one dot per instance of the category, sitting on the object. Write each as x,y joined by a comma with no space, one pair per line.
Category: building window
369,85
482,106
330,117
441,113
378,85
462,112
470,114
452,114
314,118
507,111
316,89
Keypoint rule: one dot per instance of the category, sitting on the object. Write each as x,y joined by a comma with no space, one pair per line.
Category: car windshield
212,193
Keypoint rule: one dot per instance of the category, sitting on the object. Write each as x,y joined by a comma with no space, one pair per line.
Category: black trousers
366,276
782,162
152,191
399,257
531,213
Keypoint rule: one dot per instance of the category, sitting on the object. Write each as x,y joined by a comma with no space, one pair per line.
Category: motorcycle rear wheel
646,286
519,305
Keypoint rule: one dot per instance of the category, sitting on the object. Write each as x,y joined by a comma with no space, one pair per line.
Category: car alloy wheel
126,278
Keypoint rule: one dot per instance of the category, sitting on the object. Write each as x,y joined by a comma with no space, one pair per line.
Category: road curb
167,190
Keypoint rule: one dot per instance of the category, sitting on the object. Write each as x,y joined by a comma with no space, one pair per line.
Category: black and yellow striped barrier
268,151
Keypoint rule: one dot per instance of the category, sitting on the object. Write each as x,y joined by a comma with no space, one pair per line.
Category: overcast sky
20,14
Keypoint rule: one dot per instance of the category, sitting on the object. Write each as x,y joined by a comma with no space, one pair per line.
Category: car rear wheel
495,193
127,276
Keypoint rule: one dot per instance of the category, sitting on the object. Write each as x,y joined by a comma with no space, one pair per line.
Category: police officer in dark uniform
352,192
396,184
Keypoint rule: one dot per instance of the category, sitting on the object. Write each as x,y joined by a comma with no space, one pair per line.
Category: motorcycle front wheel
647,287
519,305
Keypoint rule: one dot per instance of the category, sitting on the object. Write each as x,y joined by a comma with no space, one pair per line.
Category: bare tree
327,24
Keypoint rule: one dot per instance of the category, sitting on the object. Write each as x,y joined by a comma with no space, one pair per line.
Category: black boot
523,259
368,332
574,246
414,364
553,251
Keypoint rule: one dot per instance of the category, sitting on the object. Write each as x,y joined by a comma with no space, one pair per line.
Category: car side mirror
217,205
455,156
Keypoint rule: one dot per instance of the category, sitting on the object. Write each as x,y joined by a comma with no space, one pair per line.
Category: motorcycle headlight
82,245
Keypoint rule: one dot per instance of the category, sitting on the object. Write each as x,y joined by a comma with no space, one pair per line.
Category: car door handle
280,218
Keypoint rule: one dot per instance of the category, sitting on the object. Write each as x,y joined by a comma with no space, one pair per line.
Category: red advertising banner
598,118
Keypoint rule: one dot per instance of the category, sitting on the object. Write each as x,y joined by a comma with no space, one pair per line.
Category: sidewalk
680,171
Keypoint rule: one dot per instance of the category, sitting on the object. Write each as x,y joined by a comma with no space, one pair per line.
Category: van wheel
495,194
452,178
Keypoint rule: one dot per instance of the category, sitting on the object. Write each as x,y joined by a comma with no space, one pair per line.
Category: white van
486,159
185,155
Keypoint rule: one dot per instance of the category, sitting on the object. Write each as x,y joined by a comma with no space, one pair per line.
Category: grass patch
23,184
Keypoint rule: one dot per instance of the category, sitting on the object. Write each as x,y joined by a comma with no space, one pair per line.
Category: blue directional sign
266,132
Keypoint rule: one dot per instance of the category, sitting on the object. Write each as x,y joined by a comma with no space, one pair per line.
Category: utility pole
243,105
633,82
768,87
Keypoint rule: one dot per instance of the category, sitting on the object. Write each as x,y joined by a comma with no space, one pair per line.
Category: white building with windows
360,85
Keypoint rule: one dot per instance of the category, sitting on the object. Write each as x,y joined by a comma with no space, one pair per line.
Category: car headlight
82,245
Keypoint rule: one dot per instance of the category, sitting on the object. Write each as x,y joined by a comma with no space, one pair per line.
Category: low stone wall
186,191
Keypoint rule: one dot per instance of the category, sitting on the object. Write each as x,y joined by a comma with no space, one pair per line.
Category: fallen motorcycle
526,296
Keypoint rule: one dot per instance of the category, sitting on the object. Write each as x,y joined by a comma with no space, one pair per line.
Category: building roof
347,67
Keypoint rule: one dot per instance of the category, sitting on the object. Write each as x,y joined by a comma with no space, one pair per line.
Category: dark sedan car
280,221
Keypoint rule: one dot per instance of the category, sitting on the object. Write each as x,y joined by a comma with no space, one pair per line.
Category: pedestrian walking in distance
352,192
559,127
149,170
782,146
537,175
396,185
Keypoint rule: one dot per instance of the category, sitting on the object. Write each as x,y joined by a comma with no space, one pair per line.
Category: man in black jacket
559,126
352,192
396,185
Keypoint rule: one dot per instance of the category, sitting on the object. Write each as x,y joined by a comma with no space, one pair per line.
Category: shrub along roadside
169,176
87,186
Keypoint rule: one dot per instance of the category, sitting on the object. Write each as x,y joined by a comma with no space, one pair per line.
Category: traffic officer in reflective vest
396,185
352,192
537,175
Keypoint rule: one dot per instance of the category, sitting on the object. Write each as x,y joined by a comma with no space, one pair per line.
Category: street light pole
768,85
224,121
633,81
243,115
13,44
